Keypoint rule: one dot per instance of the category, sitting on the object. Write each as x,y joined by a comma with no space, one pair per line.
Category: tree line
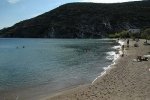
144,34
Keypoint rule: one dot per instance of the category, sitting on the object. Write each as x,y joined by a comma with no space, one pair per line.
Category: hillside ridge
83,20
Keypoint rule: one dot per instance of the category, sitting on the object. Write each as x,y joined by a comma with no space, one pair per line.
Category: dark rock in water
83,20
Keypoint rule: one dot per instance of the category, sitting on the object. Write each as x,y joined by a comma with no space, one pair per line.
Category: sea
58,63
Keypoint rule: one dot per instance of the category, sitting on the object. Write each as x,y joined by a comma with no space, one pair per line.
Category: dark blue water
57,62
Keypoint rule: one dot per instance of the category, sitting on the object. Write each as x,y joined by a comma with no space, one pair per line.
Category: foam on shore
111,56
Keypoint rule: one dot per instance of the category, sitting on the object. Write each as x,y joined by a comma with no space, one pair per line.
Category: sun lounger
145,58
140,58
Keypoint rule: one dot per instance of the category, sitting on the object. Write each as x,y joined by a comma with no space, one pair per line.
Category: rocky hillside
83,20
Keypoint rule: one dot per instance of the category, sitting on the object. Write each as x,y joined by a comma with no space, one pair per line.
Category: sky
13,11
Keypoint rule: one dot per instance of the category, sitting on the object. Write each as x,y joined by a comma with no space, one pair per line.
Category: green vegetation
134,35
146,34
123,34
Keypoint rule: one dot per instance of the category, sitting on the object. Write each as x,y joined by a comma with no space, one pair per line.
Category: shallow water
57,62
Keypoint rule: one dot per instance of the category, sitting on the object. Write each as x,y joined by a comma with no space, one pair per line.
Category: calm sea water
57,62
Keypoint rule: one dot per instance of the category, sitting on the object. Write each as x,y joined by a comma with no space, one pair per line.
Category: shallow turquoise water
57,62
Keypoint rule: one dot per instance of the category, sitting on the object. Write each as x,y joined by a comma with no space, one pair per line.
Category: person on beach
128,43
122,47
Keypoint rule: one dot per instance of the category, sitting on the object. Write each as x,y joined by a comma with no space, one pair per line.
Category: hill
83,20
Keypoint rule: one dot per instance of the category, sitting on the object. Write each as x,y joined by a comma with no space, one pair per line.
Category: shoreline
116,57
114,61
21,93
121,80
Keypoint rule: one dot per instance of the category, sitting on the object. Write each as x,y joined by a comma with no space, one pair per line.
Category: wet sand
125,80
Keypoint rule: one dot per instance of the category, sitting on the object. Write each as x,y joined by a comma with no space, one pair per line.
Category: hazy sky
12,11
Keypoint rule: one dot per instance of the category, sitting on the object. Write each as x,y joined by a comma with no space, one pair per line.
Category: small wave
116,47
111,55
121,42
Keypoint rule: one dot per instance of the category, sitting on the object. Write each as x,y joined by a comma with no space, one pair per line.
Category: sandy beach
127,79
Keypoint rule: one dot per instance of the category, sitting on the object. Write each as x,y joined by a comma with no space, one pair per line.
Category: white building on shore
134,30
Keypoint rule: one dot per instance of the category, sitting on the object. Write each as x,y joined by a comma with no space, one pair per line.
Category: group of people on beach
139,58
